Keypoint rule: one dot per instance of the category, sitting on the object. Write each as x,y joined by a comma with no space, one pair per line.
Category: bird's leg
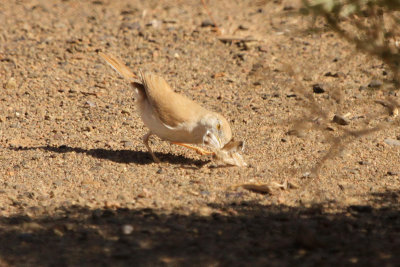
146,143
197,149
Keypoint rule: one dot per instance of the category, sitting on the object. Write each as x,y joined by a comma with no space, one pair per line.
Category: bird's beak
214,141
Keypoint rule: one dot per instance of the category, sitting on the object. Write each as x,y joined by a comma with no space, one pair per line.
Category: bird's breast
184,133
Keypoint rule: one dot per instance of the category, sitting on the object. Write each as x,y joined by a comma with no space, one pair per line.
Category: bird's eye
218,127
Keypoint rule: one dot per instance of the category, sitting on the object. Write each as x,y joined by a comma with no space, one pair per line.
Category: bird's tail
119,66
125,72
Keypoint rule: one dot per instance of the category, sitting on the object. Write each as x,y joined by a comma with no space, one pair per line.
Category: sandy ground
78,188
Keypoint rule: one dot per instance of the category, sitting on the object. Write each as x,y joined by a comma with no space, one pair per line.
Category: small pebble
291,95
288,8
11,84
128,144
392,142
340,120
90,104
204,193
127,229
207,23
375,84
335,75
362,88
263,48
154,23
130,26
317,88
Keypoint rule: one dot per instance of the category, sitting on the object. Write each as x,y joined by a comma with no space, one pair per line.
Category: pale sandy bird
171,116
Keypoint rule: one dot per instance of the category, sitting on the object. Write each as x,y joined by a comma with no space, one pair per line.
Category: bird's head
218,131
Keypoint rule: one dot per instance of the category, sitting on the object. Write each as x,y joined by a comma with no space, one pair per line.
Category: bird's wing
120,67
171,108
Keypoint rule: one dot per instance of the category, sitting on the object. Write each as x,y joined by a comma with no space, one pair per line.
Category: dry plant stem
211,17
340,142
337,143
369,45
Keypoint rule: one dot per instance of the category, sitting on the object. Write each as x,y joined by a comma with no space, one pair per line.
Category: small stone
263,48
240,56
121,197
86,129
144,194
392,173
154,23
392,142
58,183
375,84
288,8
317,88
207,23
11,84
340,120
205,211
362,88
394,112
58,232
205,193
127,229
90,104
297,132
335,75
130,26
127,144
125,111
330,74
340,74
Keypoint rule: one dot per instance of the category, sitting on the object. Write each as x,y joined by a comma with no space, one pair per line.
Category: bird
171,116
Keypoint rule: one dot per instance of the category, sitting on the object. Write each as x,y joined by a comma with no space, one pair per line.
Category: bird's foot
198,150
